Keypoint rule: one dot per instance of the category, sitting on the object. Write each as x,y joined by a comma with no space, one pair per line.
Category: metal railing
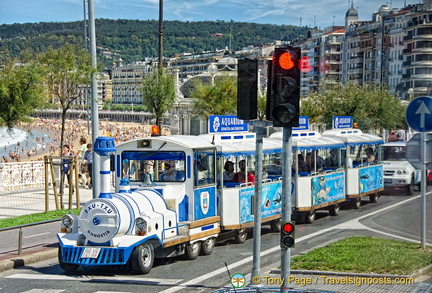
20,227
22,175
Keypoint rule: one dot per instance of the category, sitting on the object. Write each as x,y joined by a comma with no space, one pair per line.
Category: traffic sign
419,114
413,151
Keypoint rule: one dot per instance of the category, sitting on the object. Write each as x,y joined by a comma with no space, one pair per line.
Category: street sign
419,114
413,151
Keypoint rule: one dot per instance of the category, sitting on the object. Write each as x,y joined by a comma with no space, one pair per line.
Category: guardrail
20,227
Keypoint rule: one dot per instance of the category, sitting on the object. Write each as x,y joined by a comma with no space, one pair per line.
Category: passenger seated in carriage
240,176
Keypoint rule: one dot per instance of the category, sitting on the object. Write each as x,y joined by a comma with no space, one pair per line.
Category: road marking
37,235
44,291
277,248
126,279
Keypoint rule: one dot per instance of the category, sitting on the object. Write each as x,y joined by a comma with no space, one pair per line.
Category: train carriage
319,186
364,175
236,199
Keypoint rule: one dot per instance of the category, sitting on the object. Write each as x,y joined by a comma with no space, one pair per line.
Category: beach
41,137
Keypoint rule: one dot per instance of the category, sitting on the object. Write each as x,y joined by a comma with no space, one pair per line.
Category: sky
320,13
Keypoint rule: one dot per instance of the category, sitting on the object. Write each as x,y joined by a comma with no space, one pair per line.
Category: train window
149,167
204,167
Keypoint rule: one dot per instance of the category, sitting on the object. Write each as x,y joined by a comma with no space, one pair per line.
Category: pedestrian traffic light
287,239
283,88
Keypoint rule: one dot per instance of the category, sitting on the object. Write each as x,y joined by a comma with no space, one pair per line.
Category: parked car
398,172
429,177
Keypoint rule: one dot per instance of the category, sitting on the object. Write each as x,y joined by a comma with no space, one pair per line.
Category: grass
33,218
366,255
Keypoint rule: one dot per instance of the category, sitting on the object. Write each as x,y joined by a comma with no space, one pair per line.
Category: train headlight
67,222
141,225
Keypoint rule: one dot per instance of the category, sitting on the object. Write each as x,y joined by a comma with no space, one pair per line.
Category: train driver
170,173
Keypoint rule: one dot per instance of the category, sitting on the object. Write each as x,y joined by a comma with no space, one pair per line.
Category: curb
24,260
330,273
422,271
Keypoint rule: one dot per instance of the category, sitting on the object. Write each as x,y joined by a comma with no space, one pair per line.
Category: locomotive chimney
104,147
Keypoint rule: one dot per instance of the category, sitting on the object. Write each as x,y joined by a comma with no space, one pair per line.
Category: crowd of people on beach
74,131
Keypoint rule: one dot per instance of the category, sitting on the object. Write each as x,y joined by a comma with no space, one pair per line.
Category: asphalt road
393,215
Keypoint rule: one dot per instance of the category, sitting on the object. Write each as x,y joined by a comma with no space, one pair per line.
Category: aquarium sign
226,123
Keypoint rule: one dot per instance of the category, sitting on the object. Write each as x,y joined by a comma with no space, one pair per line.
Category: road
393,216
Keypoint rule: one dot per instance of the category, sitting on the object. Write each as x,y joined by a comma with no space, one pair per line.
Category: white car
398,172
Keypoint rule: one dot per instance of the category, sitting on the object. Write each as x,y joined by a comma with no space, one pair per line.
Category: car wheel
142,258
193,250
207,246
410,187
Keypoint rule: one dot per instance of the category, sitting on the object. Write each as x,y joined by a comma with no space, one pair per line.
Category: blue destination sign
342,122
225,123
303,123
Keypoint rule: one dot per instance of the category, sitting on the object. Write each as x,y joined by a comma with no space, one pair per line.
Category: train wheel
275,225
373,198
67,267
357,203
207,246
142,258
334,210
241,236
193,250
310,217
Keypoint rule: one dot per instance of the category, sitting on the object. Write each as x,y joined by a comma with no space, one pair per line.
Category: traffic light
247,89
283,88
287,239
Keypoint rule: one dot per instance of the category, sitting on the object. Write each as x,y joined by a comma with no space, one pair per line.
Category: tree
69,73
372,106
158,93
21,90
215,98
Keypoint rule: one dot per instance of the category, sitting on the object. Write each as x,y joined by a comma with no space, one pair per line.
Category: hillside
134,40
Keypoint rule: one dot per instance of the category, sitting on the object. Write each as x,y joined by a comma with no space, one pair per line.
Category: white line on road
274,249
37,235
126,279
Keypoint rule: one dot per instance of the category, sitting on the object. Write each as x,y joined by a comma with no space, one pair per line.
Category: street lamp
383,11
410,93
212,69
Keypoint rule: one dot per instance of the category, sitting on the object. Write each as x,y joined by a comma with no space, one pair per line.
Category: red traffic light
288,227
285,59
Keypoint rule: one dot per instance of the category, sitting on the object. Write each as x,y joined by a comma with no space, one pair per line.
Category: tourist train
172,197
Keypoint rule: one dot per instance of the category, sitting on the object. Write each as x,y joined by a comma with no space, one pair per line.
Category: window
149,167
204,167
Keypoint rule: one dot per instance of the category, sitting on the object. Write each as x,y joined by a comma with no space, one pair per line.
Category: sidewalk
19,203
26,202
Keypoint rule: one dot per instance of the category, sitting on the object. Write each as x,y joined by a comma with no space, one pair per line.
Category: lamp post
383,11
410,93
212,69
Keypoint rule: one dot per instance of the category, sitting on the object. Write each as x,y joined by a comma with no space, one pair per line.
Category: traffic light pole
286,200
256,270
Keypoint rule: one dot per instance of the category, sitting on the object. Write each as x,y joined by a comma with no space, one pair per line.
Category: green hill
133,40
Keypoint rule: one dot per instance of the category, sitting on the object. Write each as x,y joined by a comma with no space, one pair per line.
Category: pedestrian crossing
128,279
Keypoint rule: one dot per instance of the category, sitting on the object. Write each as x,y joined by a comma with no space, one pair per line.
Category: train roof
240,144
179,141
353,137
309,141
